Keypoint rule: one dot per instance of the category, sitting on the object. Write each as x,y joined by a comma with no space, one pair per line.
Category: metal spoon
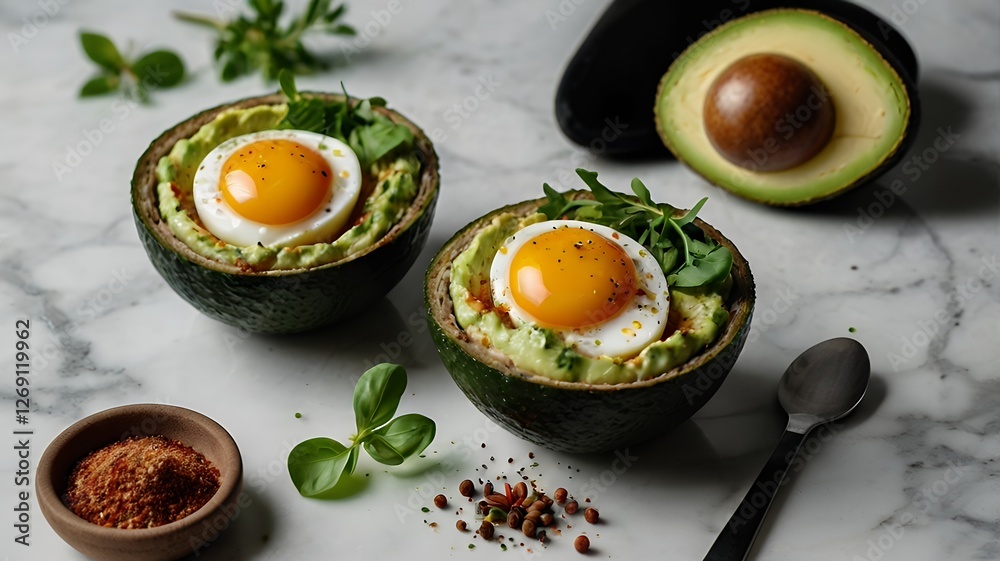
823,384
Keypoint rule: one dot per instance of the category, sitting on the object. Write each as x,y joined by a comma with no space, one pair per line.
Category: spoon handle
734,541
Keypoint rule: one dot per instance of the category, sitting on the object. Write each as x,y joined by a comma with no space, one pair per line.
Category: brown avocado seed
768,112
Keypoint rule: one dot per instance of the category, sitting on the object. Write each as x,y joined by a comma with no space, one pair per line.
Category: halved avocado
573,416
604,97
287,300
875,106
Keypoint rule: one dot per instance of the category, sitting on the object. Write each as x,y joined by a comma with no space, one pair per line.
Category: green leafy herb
370,133
687,256
317,465
155,69
259,43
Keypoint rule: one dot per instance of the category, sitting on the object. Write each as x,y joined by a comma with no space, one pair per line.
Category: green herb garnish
152,70
369,133
260,43
317,464
687,256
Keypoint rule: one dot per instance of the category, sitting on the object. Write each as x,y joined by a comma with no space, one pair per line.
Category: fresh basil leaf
704,270
100,85
403,437
159,69
102,51
699,248
377,395
317,464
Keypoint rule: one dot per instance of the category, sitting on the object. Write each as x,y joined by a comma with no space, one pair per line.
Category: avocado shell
288,300
574,416
863,35
615,73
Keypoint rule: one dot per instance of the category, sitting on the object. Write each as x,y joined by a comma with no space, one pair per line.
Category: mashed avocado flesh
395,188
696,318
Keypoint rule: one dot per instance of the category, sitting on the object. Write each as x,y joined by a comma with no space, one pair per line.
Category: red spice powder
141,483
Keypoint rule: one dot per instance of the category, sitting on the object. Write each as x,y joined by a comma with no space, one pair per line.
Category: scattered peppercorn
582,544
461,525
528,527
424,509
486,530
440,501
560,495
467,488
591,515
571,507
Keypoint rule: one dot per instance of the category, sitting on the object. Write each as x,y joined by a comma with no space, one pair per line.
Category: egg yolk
571,278
275,182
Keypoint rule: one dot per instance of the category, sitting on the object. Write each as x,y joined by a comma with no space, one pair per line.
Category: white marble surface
911,282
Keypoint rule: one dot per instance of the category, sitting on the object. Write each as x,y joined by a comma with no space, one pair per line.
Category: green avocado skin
580,420
287,303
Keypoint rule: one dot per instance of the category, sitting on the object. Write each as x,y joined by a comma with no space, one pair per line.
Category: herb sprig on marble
133,77
318,464
686,255
260,43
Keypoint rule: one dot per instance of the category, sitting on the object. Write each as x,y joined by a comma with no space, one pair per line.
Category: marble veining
907,266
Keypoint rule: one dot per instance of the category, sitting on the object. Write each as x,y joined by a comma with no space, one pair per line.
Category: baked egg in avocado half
786,107
283,213
581,334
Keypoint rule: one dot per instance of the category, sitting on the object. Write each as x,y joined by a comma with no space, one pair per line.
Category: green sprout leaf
162,69
155,69
317,464
260,43
403,437
100,85
377,395
371,134
687,256
102,51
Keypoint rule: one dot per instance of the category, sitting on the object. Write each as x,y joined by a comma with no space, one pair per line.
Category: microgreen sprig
155,69
369,133
260,43
687,256
317,465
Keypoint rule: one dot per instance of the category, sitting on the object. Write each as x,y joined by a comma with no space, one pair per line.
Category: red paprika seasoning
141,483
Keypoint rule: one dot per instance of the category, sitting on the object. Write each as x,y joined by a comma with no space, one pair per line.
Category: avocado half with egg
289,300
786,107
575,416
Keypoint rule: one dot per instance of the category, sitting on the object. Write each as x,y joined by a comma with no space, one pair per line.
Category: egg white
623,336
224,223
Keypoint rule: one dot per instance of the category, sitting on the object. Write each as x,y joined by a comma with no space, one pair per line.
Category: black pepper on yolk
275,182
571,278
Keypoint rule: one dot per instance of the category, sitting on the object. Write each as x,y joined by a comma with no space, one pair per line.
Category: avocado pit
768,112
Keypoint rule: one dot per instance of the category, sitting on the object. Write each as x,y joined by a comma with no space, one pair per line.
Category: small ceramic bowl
162,543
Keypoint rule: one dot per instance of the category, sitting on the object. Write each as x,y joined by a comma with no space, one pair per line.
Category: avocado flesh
612,78
280,301
575,416
871,101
